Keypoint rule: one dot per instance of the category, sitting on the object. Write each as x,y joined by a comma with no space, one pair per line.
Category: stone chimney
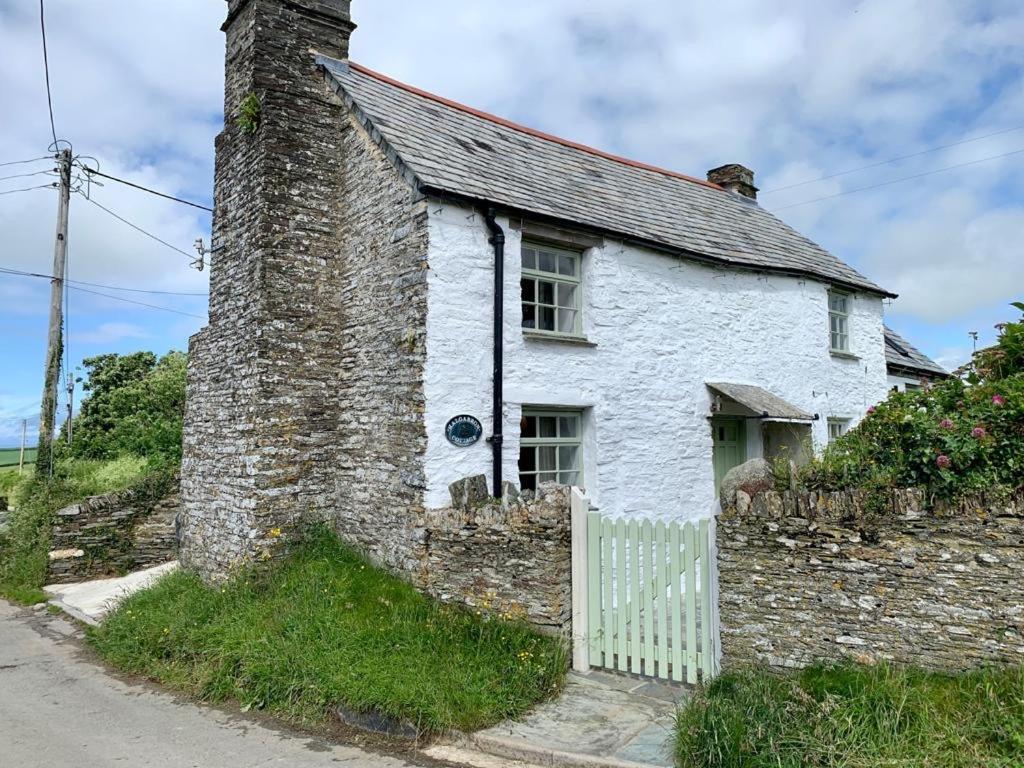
735,178
259,429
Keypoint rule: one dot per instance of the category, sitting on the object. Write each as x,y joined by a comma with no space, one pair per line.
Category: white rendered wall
663,327
900,382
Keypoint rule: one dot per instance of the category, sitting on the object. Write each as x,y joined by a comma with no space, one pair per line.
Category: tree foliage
135,404
960,435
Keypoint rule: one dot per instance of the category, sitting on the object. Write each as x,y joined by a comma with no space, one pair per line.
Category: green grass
26,541
9,457
324,627
855,717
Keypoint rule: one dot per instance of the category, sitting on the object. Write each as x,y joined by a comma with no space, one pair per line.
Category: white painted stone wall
900,382
662,328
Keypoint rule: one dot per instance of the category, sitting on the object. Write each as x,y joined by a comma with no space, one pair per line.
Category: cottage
406,291
908,368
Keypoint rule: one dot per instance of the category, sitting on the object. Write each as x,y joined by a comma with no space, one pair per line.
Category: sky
797,91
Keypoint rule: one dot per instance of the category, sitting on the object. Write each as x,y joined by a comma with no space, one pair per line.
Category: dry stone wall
805,577
112,534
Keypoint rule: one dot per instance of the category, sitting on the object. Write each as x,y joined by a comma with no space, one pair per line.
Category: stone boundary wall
112,534
816,576
510,556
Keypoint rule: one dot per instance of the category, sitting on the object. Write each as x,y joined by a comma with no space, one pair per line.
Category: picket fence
642,595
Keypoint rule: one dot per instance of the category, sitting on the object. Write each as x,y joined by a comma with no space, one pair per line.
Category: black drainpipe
497,240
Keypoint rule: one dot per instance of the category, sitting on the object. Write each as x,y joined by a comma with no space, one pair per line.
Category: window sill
843,355
579,341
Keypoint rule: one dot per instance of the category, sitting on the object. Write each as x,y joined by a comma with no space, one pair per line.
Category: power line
46,67
139,229
92,172
140,303
24,175
9,271
31,160
892,160
897,181
29,189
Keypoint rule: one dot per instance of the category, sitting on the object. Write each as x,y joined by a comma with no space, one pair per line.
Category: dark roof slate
453,149
899,353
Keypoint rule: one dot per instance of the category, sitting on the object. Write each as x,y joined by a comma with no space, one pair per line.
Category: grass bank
324,627
25,540
855,717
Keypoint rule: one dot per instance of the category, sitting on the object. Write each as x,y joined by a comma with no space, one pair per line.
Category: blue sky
794,90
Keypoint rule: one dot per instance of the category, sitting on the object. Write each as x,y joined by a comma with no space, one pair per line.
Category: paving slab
601,719
90,601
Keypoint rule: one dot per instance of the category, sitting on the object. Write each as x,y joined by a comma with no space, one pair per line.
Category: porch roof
760,401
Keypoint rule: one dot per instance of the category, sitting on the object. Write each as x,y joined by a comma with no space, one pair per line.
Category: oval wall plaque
463,430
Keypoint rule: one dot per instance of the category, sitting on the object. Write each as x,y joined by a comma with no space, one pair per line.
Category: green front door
730,445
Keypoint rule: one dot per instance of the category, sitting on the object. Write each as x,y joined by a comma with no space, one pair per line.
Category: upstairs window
550,448
551,290
839,321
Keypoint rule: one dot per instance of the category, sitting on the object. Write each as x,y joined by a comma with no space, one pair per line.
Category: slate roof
899,353
453,149
760,401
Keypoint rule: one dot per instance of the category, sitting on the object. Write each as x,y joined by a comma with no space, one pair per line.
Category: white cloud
106,333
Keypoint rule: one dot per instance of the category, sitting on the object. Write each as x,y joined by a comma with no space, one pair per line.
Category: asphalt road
60,709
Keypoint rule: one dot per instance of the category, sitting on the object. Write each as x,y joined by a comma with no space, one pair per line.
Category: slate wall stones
112,534
820,576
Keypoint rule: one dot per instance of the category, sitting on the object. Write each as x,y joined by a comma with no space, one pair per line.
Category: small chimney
735,178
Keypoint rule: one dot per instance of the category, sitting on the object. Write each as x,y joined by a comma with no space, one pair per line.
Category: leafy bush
134,406
325,627
963,434
855,717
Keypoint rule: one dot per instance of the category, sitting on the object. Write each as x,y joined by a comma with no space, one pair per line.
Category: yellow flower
274,533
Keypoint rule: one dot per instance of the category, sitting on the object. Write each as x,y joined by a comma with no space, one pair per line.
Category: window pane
547,426
566,320
529,316
529,258
546,261
547,477
547,319
567,295
568,478
545,292
566,264
527,459
546,458
529,287
567,426
528,426
567,457
528,482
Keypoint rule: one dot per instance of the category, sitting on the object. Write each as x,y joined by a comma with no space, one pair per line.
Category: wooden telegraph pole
55,342
21,458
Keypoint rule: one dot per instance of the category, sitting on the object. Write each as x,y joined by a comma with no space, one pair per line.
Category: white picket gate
642,595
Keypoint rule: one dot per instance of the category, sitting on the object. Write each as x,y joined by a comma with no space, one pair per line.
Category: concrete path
600,720
58,710
90,601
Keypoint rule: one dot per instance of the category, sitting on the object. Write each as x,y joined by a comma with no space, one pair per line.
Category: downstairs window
550,448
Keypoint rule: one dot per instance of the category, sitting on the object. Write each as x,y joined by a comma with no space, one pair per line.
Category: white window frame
556,442
839,322
837,428
560,281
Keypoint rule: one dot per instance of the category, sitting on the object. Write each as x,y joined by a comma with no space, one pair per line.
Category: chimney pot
736,178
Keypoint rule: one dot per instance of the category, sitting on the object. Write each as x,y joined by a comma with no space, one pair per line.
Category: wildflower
998,400
922,409
946,424
943,461
978,433
274,533
871,409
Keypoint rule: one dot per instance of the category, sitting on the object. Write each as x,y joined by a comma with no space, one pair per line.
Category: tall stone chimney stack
258,425
735,178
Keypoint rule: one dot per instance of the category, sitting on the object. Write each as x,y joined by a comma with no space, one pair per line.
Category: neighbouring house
406,292
908,367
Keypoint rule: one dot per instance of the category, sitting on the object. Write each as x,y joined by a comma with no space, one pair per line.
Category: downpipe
497,241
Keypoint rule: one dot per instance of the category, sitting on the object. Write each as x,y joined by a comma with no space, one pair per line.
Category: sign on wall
463,430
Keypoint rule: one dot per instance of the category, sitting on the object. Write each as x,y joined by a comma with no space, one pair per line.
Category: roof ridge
527,130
